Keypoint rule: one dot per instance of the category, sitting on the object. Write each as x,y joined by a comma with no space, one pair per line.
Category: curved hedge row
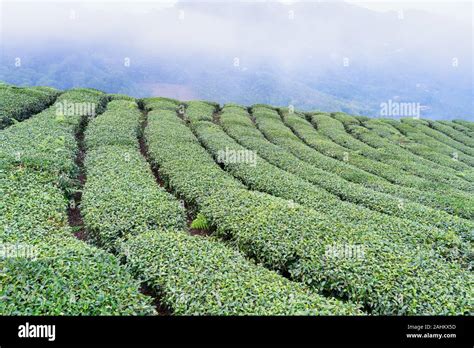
127,212
61,275
121,197
449,200
201,276
118,96
454,133
125,119
359,138
264,177
462,127
199,111
408,137
449,145
269,122
160,103
47,141
380,132
295,239
69,277
387,128
241,129
316,139
20,103
466,126
270,125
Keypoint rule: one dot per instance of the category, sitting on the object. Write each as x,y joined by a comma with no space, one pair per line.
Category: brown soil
144,152
160,308
74,211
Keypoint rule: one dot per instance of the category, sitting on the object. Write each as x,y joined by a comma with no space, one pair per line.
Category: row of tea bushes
297,241
45,142
408,137
126,211
460,125
241,129
259,175
45,270
268,122
370,145
121,197
450,145
197,275
448,200
20,103
463,130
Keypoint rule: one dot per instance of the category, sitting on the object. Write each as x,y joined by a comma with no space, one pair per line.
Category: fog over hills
333,56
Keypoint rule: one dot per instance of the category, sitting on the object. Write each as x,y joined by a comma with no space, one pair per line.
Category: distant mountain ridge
329,57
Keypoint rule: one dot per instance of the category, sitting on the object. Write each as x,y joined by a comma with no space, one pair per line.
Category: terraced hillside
112,205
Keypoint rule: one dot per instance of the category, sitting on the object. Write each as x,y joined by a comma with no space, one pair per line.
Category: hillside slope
139,206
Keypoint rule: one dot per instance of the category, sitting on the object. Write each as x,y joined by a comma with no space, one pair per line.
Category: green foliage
374,146
47,141
406,134
161,103
320,183
460,133
121,197
467,126
332,179
198,111
124,117
19,103
62,275
414,188
200,222
201,276
295,239
33,206
442,142
69,277
265,177
125,210
119,97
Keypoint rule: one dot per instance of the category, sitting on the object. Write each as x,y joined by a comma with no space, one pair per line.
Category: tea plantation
111,205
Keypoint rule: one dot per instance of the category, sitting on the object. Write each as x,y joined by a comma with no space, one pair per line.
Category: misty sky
425,44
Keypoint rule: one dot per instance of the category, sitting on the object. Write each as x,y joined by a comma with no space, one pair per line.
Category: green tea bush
20,103
47,141
419,190
124,117
370,145
450,145
60,275
121,196
265,177
404,134
126,211
270,125
160,103
467,126
201,276
296,240
455,131
461,126
69,277
33,206
117,96
64,276
199,111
